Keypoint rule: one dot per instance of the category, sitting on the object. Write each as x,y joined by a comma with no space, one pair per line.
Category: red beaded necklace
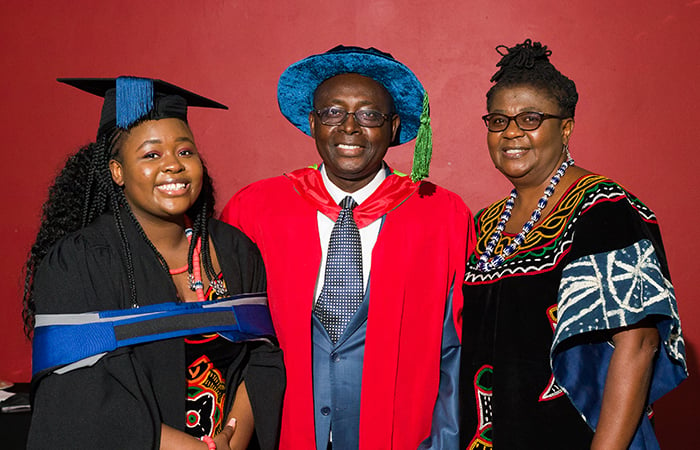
195,278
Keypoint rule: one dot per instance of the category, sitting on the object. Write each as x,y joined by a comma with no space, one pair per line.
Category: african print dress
537,329
208,357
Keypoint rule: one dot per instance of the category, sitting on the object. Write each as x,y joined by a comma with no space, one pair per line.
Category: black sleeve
265,380
78,276
109,405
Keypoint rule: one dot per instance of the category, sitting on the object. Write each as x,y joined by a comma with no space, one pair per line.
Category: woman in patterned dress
571,327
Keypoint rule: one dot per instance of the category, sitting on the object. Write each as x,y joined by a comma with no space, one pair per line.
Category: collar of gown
393,191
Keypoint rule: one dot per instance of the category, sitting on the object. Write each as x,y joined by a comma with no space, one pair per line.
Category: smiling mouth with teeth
172,186
514,151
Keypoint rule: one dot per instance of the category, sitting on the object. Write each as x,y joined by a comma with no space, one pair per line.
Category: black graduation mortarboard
129,99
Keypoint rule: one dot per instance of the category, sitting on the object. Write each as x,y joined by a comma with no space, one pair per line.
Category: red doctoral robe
418,257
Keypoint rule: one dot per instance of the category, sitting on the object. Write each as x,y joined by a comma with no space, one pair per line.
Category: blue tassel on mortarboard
134,99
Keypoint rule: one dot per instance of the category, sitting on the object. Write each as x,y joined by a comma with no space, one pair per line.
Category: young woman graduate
149,318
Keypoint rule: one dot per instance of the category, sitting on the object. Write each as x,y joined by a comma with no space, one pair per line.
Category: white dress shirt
368,234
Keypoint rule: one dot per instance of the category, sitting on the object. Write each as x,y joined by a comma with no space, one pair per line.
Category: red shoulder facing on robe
419,256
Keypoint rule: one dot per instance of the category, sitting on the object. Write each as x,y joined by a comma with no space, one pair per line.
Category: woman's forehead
523,97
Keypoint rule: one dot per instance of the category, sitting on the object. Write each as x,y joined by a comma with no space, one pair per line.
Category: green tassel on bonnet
423,150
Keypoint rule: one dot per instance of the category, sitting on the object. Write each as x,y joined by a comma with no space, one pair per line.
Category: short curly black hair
527,64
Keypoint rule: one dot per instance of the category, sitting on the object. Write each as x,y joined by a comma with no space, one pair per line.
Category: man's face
351,153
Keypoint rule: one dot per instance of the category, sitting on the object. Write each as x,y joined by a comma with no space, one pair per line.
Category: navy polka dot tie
342,291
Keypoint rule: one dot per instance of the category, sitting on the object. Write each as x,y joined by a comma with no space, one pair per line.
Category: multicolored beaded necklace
486,263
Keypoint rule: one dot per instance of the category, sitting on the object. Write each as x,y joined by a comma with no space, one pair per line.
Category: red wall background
634,62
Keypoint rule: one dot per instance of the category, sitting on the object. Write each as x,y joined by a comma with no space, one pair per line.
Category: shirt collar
361,194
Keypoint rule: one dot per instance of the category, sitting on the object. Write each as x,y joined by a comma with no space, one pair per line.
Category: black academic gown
121,401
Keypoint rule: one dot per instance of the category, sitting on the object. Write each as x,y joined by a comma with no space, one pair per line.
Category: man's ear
395,122
115,168
312,123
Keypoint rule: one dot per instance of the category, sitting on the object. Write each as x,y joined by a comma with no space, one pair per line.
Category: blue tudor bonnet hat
128,100
298,83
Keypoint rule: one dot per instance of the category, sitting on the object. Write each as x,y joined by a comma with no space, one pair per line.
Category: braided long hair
528,64
84,190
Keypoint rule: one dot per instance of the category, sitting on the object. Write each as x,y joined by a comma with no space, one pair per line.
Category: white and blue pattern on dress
607,291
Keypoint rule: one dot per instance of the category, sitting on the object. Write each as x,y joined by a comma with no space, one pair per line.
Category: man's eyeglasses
369,118
526,121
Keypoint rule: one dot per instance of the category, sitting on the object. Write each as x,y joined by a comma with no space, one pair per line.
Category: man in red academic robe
382,372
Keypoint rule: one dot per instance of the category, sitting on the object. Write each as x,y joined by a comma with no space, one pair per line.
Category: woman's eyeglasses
526,121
